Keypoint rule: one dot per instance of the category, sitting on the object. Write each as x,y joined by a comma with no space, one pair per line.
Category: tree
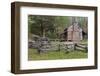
40,24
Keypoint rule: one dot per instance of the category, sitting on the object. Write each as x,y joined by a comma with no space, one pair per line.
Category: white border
25,64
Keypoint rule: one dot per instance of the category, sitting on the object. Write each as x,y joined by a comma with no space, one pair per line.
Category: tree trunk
42,30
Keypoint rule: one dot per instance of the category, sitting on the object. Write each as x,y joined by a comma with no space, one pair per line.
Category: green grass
53,55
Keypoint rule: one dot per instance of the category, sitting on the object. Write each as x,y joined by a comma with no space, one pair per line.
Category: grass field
53,55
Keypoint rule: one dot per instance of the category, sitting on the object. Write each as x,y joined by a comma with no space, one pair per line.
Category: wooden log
81,46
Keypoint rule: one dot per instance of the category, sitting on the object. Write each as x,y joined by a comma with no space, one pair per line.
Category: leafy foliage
52,26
